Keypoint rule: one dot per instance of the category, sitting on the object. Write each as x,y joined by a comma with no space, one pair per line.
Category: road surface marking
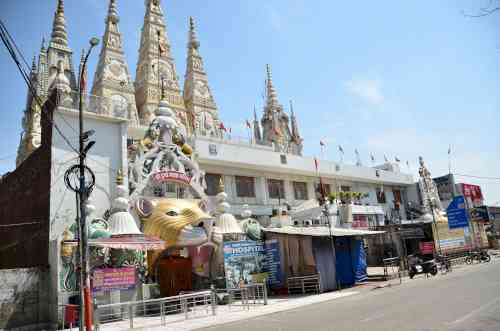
474,312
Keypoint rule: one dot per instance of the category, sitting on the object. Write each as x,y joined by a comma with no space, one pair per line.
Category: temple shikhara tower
115,93
198,97
276,123
41,77
112,78
155,65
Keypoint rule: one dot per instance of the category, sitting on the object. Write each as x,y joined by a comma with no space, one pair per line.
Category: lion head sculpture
180,222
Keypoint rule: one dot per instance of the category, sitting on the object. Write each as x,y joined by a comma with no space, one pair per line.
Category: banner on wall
109,279
250,261
473,194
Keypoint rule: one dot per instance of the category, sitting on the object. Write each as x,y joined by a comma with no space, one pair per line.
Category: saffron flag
222,127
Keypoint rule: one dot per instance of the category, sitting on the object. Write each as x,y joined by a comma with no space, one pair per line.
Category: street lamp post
438,246
85,296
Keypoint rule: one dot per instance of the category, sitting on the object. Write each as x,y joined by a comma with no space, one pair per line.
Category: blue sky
400,78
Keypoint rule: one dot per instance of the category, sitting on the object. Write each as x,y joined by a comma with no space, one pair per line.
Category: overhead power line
13,50
478,177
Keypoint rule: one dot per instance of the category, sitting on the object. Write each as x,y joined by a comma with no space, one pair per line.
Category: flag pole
449,160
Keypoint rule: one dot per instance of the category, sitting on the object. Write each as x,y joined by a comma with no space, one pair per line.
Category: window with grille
212,181
276,188
380,196
300,191
245,187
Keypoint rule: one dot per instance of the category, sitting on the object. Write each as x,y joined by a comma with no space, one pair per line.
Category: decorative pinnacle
272,97
113,12
291,109
82,58
33,64
221,185
255,113
193,39
42,48
119,177
59,35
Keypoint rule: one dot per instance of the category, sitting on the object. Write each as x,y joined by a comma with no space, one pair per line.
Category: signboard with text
457,213
108,279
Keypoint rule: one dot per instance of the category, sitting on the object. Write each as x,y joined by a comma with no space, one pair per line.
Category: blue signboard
457,214
273,264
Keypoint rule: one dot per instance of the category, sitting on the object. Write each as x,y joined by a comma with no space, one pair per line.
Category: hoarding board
108,279
250,261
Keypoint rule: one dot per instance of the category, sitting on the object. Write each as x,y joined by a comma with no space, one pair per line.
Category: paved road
468,299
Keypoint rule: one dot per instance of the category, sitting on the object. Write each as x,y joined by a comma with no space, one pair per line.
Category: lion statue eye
172,213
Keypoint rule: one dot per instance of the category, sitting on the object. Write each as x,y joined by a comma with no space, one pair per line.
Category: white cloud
369,90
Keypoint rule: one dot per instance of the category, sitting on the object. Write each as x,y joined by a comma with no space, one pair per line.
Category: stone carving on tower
275,123
59,50
112,79
428,190
42,76
198,98
257,136
154,65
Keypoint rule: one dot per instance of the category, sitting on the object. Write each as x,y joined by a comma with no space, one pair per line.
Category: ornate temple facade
275,122
115,94
42,76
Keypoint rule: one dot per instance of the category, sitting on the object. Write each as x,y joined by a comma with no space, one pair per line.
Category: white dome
122,222
227,223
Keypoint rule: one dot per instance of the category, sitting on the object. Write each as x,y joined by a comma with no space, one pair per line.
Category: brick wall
25,204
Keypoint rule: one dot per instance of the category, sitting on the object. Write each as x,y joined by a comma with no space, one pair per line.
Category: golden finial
221,185
119,177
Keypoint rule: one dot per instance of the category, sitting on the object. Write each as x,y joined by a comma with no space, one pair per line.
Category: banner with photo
250,261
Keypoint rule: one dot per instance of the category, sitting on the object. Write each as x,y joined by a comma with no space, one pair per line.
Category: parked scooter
480,256
420,267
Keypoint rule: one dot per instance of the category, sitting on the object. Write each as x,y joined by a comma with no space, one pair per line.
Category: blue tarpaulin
325,262
350,261
358,260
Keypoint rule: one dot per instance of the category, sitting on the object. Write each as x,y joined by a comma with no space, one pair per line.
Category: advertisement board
480,214
449,239
108,279
252,261
473,194
243,261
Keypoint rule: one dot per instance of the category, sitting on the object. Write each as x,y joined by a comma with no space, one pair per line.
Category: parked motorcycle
420,267
479,256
